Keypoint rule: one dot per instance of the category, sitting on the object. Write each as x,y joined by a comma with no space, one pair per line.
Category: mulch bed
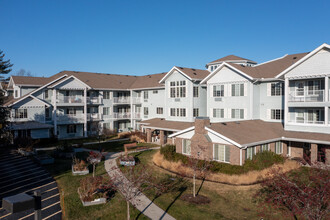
199,199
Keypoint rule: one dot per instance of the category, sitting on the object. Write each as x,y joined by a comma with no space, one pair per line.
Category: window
314,87
211,68
276,114
146,111
196,112
20,113
71,111
155,91
276,89
237,113
196,91
178,89
218,113
106,95
71,129
250,152
106,110
46,94
221,153
278,147
47,113
300,116
23,133
172,112
237,89
314,115
186,146
264,147
179,112
159,111
16,93
145,94
106,125
218,90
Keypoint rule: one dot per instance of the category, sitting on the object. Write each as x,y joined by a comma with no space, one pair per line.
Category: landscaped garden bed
79,167
26,151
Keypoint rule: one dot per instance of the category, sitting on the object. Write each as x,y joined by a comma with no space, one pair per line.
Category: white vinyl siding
221,153
186,146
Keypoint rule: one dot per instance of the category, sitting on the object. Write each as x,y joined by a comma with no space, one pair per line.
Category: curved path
21,175
141,202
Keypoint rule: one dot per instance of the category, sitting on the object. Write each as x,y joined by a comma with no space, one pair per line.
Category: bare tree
23,72
94,158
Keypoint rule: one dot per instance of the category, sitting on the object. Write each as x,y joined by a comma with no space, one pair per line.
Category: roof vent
194,73
181,68
193,69
224,123
294,58
149,76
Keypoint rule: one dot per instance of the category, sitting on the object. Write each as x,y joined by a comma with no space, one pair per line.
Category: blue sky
144,37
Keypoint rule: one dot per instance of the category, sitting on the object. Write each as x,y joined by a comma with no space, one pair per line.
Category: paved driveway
19,174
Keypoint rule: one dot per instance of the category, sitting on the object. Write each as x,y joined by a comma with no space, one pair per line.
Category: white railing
136,100
304,95
70,117
137,115
70,99
121,100
94,116
94,100
306,122
125,115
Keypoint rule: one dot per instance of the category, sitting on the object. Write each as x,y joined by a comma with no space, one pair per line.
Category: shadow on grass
200,187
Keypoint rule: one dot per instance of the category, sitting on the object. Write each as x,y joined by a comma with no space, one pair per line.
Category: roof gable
190,73
231,58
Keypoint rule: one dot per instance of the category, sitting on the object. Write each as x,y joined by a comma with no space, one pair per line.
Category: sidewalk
141,202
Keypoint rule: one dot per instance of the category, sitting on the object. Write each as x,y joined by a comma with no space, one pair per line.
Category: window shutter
269,89
216,152
227,154
245,85
221,152
268,114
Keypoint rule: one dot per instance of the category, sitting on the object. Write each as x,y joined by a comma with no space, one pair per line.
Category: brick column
327,156
161,138
148,135
313,153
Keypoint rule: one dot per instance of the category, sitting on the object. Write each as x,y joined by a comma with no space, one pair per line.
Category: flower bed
79,167
127,161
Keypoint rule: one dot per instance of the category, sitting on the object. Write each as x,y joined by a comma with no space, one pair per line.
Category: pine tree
5,68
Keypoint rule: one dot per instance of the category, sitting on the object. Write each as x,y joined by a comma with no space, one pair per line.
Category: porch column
286,95
85,112
148,135
327,156
161,138
313,153
55,111
326,99
131,104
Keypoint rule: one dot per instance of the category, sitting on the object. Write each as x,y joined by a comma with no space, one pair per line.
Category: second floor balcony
94,100
121,100
75,100
303,95
70,118
94,116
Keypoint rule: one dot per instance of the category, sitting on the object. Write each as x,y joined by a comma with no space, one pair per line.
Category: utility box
18,203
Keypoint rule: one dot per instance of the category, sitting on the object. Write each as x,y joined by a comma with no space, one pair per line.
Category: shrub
94,187
263,160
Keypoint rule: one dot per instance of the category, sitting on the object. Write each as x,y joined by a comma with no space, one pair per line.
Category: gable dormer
229,59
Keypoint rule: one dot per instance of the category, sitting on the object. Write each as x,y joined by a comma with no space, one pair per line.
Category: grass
227,202
74,141
72,207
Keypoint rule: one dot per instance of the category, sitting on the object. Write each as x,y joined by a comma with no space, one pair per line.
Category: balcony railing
121,100
306,122
70,118
125,115
94,100
70,99
302,95
94,116
136,100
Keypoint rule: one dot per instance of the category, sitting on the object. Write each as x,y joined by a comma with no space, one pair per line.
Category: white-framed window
106,94
278,147
218,90
179,112
172,112
159,110
196,91
146,111
221,153
21,113
106,125
276,89
314,87
106,110
196,112
186,146
264,147
182,112
155,91
145,94
276,114
250,152
178,89
71,129
46,96
237,89
237,113
218,113
300,116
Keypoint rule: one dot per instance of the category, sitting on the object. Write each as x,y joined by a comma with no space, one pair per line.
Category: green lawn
227,202
72,206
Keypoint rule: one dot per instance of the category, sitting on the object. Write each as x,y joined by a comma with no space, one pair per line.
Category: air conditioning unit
218,99
177,100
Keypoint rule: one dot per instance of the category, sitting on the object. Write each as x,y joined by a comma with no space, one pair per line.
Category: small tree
304,193
136,180
94,158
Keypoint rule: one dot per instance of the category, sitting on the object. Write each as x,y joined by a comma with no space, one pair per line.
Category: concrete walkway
141,202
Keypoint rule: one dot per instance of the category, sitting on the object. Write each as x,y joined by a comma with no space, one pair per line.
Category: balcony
75,100
94,100
94,116
121,100
70,118
298,121
136,100
117,115
301,95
